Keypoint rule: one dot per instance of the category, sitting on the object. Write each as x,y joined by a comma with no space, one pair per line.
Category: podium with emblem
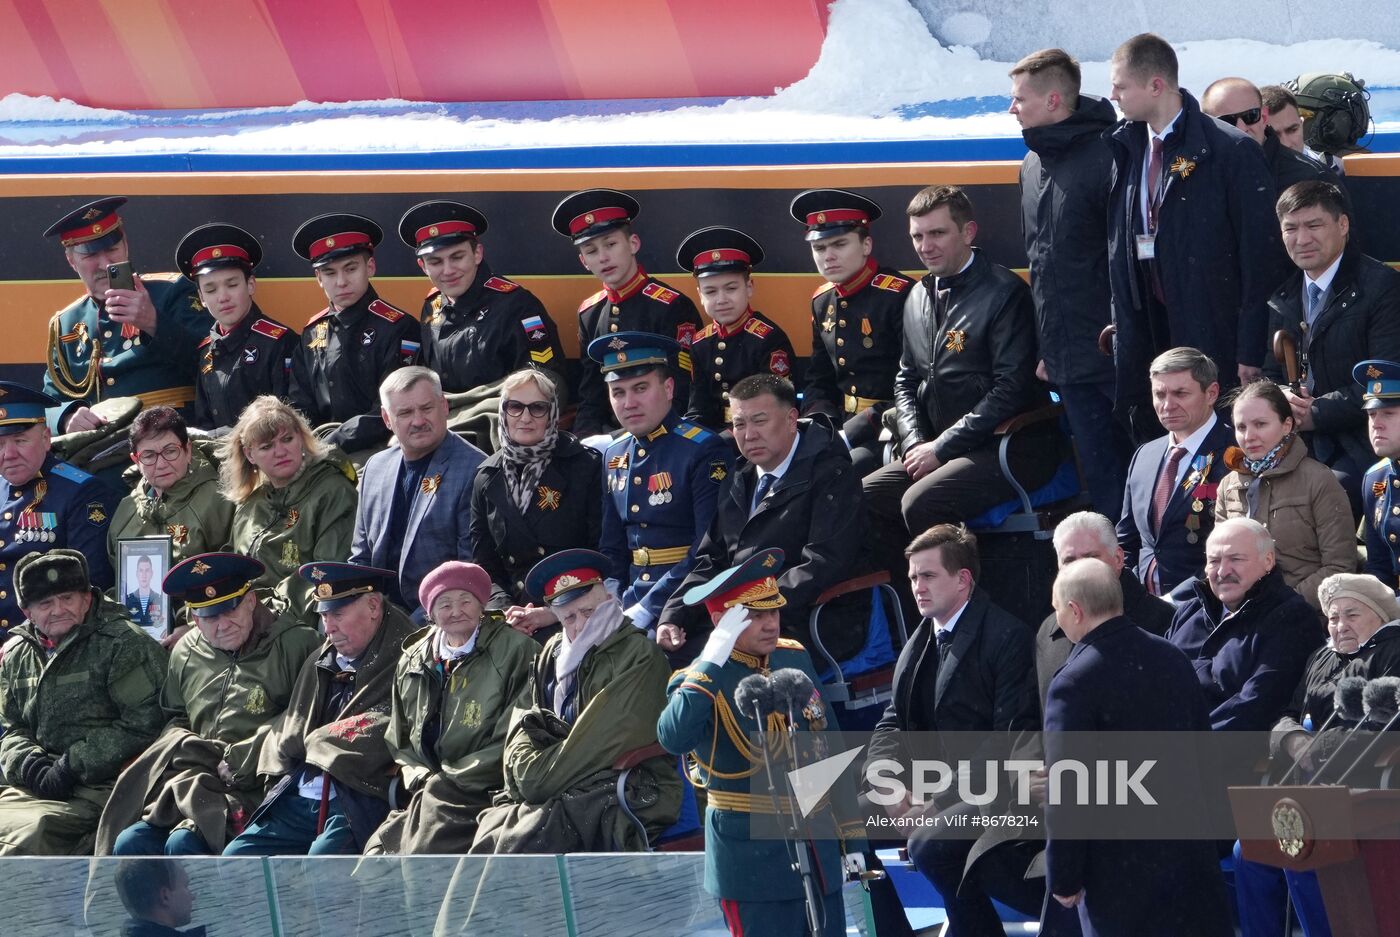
1350,838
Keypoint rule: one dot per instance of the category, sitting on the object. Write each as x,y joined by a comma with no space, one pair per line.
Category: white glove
853,863
731,624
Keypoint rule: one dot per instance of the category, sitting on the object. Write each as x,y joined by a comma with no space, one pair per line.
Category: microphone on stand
1385,702
1346,702
791,690
1368,698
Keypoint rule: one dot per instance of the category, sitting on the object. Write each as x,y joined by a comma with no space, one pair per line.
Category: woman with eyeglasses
540,493
294,499
175,493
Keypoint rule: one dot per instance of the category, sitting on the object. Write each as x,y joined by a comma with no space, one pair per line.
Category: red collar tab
339,241
835,216
725,331
90,230
858,282
588,219
443,229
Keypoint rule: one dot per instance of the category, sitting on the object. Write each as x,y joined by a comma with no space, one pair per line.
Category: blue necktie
1314,301
765,482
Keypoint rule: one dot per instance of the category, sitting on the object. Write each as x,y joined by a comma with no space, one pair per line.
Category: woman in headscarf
540,493
176,494
453,692
294,499
1275,482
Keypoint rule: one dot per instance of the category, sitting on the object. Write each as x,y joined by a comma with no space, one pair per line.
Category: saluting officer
857,319
477,327
753,875
117,342
599,222
662,477
246,354
738,341
348,348
1380,386
44,503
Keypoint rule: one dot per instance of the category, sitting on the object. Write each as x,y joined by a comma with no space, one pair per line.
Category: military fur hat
40,575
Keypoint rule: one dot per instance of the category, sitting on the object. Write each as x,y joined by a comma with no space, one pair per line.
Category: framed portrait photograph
142,563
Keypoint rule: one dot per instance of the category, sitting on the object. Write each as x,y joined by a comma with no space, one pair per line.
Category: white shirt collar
1323,280
781,469
951,622
1154,135
344,663
448,652
1193,442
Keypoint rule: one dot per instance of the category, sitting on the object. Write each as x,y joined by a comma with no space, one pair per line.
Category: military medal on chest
131,335
37,526
320,338
660,487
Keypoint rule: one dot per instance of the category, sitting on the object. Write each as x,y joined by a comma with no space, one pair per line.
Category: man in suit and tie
415,498
795,489
966,669
1169,504
1339,307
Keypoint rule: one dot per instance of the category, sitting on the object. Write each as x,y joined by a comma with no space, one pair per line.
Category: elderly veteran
294,498
326,753
228,680
753,878
1363,641
43,501
78,687
597,689
453,693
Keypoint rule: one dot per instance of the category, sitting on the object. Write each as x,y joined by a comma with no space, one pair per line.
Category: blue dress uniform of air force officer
1380,492
61,506
661,489
759,892
91,358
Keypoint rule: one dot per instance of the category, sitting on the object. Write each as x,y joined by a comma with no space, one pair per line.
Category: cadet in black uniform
738,342
857,320
477,328
348,348
599,222
246,353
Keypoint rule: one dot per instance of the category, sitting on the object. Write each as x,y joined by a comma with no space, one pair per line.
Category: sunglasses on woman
539,409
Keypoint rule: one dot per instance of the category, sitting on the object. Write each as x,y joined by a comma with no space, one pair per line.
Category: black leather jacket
960,379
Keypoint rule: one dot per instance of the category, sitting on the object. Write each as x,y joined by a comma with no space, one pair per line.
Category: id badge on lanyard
1146,244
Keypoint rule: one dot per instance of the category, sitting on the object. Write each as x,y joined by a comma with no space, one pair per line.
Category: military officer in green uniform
857,320
245,354
78,696
477,327
136,342
350,346
44,502
232,676
738,342
599,223
453,693
753,878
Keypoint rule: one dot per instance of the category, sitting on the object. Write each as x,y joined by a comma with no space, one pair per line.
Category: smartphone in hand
121,276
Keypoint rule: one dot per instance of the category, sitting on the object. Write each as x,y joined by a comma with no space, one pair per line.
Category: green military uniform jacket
620,690
702,720
312,518
194,514
228,701
90,359
447,733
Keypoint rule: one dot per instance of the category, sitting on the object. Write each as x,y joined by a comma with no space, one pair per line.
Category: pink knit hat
454,574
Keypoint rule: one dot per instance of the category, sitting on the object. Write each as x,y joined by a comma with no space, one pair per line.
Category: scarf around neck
525,464
604,621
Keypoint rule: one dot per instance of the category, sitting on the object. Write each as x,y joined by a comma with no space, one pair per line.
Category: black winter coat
1314,696
1218,249
961,378
1064,218
567,513
814,514
1360,320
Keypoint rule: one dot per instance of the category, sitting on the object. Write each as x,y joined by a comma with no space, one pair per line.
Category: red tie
1165,483
1154,182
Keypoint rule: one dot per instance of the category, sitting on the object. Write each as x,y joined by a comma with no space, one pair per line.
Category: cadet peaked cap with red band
829,212
430,225
585,215
564,576
718,249
213,247
91,228
331,237
752,584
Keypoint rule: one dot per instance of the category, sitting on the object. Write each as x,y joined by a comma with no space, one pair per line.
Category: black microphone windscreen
1347,698
1379,698
791,688
755,690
